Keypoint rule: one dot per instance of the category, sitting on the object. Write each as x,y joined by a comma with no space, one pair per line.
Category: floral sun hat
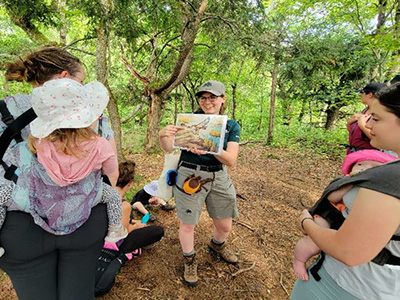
65,103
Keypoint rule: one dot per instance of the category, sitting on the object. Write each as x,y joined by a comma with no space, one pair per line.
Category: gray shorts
219,196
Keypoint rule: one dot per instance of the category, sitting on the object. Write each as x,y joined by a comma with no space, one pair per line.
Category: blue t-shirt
232,134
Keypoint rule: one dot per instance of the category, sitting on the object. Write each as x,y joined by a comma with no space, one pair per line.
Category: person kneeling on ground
148,196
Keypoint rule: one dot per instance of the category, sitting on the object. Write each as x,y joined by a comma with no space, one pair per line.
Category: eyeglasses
212,98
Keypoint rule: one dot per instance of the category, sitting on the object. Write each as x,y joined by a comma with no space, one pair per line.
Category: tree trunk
63,33
154,115
101,72
332,114
302,111
396,53
234,104
24,22
273,100
261,112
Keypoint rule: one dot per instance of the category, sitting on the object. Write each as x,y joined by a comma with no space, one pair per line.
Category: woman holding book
202,178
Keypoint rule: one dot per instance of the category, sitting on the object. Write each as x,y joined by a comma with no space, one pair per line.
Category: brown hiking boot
226,254
190,273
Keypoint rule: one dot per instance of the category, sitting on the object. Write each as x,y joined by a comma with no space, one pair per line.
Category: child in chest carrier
67,150
353,163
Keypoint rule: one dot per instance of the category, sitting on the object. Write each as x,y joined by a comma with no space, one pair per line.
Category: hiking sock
191,253
214,241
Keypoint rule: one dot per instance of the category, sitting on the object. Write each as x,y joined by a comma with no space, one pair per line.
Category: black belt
213,168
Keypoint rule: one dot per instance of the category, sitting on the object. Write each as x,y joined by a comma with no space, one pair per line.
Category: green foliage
133,136
37,11
307,138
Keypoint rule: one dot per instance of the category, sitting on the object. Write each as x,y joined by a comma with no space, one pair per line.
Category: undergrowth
297,137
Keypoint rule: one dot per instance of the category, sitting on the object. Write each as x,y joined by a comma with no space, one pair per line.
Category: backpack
108,266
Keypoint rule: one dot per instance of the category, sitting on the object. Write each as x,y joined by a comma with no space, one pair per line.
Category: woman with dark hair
43,265
362,257
218,193
359,135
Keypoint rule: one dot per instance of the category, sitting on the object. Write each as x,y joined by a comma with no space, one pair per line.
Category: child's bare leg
126,213
304,250
139,206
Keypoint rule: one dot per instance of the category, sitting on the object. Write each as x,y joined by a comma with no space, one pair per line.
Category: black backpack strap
11,132
8,118
100,122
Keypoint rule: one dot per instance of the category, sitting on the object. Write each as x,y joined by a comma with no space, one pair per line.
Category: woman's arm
372,221
113,177
113,145
229,156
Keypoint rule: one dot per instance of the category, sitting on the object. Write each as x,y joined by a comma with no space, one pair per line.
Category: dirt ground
276,184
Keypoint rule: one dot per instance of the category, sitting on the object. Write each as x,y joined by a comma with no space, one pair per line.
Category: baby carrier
375,179
12,131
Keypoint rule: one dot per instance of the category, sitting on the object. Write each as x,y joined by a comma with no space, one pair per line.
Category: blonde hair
40,66
68,138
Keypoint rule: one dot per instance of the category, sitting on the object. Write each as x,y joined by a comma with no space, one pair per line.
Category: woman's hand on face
363,119
304,214
197,151
354,118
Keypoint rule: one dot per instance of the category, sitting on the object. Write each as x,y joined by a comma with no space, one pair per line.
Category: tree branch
189,34
133,72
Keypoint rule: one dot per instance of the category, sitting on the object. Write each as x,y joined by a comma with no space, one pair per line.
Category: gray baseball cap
212,86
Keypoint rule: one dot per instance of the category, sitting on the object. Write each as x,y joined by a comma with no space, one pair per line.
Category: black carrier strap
100,131
8,118
13,131
374,179
385,257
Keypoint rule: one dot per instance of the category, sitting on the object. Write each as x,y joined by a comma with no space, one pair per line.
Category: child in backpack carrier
66,150
353,163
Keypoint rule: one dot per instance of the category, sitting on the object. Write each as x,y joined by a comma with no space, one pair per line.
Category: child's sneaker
167,207
152,218
116,233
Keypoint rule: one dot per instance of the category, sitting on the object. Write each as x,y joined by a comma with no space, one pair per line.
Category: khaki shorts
219,196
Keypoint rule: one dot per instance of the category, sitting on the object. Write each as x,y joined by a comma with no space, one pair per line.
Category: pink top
97,154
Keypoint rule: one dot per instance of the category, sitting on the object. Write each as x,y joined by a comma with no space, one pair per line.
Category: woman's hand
169,131
354,118
305,214
166,136
362,121
197,151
